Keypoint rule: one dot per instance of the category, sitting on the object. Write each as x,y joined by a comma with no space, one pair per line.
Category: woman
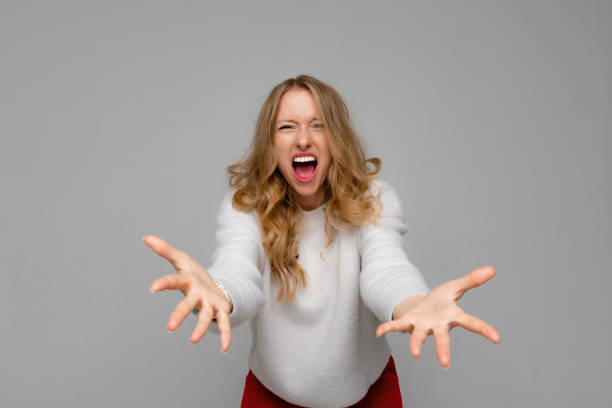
310,249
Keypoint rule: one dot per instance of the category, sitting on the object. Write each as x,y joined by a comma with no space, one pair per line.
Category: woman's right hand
199,289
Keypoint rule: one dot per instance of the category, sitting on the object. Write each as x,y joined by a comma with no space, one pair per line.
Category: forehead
297,104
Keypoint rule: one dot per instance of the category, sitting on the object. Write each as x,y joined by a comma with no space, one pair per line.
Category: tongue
305,171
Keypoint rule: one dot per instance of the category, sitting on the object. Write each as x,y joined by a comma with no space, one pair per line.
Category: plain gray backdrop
492,120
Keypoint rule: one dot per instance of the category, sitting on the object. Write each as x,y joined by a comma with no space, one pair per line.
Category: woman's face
302,147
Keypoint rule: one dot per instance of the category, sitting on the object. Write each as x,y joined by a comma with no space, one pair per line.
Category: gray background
117,120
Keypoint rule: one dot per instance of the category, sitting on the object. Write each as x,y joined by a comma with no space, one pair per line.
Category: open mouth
305,168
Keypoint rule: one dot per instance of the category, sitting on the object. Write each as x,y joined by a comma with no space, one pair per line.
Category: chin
306,191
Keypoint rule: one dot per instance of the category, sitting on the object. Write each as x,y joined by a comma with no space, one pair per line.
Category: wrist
225,293
221,288
405,305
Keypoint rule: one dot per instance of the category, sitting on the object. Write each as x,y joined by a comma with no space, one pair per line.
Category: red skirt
384,392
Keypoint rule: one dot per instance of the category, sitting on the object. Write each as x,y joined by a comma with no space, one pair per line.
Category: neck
311,202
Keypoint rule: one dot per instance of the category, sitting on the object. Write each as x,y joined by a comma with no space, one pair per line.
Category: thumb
475,278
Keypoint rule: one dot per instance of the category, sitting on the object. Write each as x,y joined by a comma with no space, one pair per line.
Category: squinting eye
284,126
319,125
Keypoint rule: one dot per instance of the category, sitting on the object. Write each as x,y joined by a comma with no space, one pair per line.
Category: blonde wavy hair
260,185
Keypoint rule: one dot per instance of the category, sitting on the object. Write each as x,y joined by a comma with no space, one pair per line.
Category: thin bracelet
196,311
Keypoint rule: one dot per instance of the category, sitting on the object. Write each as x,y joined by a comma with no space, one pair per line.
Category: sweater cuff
239,314
396,293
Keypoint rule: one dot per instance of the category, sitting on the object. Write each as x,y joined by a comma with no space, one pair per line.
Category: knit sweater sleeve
238,261
387,276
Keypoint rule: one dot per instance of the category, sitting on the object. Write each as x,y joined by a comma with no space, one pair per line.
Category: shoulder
226,201
391,214
389,199
227,211
227,204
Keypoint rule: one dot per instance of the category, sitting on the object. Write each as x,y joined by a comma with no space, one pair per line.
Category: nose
303,139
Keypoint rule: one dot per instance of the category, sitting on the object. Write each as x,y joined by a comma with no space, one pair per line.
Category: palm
438,312
440,304
199,290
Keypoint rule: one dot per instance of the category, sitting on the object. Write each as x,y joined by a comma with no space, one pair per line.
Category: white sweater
320,350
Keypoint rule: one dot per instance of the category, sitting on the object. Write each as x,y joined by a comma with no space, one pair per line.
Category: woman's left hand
438,312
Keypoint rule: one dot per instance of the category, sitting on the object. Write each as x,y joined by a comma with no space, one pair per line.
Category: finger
170,282
418,337
400,325
204,318
442,346
182,310
162,248
475,325
223,323
475,278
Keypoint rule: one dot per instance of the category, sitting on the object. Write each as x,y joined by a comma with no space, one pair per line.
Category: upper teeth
304,159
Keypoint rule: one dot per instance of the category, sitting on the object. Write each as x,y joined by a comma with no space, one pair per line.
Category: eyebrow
291,120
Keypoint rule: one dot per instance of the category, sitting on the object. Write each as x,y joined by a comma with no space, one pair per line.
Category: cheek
278,151
327,153
281,160
325,146
281,147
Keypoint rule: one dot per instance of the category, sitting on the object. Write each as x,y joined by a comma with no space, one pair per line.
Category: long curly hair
260,185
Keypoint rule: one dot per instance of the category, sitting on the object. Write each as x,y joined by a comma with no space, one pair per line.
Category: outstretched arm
387,275
238,260
236,264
